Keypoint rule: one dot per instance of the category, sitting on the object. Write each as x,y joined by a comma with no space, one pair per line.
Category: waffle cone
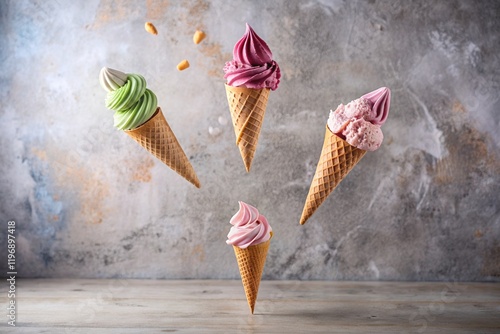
247,107
337,159
157,137
251,261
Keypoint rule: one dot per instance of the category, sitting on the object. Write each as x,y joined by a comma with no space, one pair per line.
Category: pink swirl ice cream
252,65
249,227
359,121
380,100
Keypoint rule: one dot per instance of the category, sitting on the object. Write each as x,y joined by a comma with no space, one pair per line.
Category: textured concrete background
89,202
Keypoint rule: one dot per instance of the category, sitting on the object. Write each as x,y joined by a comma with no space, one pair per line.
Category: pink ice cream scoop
249,227
364,135
359,122
252,65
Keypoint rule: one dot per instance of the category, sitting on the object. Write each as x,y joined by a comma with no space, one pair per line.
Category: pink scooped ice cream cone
351,131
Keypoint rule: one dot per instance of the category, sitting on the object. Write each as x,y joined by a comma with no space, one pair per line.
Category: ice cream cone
337,159
157,137
247,107
251,261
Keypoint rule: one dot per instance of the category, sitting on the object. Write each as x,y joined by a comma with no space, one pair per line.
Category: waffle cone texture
156,136
337,159
247,107
251,261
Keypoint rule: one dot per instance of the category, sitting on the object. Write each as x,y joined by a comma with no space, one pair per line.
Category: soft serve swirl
128,96
380,100
252,65
249,227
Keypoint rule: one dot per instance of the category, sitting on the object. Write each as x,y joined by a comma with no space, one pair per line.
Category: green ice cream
128,96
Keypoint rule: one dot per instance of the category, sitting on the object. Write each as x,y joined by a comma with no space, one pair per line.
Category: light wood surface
215,306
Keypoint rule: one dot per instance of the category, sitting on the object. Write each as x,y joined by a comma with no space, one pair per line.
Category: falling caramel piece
198,36
151,28
183,65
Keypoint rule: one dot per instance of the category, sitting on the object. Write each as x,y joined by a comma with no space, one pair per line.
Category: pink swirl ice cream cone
250,236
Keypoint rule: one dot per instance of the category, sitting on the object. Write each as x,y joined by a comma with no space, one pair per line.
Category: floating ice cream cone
337,159
137,113
156,136
251,261
247,107
250,236
359,123
250,76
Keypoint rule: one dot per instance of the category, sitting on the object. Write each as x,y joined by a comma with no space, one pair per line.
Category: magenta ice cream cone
250,76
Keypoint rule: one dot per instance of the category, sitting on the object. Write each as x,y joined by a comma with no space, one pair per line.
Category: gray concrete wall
89,202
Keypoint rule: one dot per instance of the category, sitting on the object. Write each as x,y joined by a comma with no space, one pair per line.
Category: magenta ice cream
249,227
359,121
252,65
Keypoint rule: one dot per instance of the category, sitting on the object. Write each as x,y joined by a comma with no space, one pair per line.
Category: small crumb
222,120
198,36
151,28
214,131
183,65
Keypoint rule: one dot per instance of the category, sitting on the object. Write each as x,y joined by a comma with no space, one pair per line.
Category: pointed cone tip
196,183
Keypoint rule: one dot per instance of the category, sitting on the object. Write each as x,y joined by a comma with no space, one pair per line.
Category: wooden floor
213,306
